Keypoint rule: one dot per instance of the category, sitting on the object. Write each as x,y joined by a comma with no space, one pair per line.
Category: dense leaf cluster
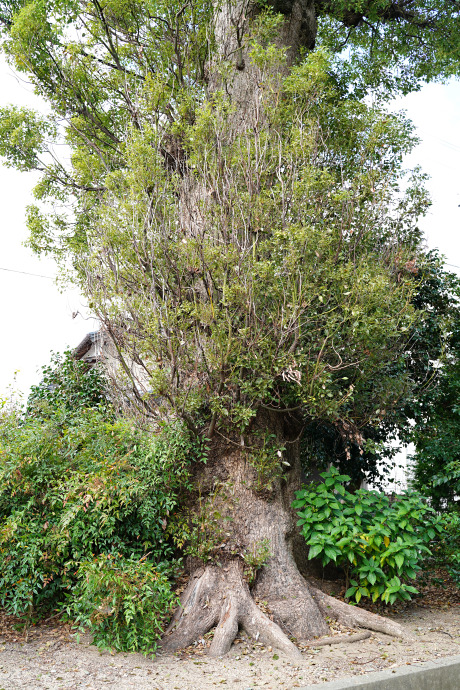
436,461
86,504
263,267
424,414
124,601
378,544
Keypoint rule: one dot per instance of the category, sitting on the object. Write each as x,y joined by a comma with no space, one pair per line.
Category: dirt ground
51,658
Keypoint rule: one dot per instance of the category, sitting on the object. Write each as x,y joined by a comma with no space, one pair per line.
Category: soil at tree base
51,657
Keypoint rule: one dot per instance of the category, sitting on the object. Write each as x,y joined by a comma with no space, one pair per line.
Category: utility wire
443,142
25,273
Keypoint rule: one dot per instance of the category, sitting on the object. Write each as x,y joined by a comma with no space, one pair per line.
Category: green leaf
330,552
315,551
399,559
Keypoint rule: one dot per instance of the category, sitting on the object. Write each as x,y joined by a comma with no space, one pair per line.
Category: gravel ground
51,658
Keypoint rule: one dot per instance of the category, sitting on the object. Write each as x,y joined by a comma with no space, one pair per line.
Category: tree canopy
301,266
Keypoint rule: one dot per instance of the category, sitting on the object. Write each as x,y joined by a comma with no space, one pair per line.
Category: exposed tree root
220,597
355,617
301,609
338,639
302,613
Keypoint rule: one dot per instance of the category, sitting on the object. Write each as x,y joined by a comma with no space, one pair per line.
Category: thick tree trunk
232,27
218,594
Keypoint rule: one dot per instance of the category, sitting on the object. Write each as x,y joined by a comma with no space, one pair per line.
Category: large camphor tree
231,200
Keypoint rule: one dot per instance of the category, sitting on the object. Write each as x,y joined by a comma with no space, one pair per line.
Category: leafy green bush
123,602
77,484
437,467
450,545
70,384
378,544
446,549
436,433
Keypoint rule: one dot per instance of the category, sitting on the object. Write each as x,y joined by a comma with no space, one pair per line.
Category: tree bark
218,594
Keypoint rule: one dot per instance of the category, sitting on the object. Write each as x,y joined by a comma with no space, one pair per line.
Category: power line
25,273
444,142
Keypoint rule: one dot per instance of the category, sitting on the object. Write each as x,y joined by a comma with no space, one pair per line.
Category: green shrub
378,544
123,602
77,484
447,548
69,384
438,476
451,545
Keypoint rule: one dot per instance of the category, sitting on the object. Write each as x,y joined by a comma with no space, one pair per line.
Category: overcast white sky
36,318
435,110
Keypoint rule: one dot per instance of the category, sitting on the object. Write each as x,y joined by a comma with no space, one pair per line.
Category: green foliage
201,528
379,544
293,289
76,484
267,461
255,557
123,602
436,428
70,385
448,548
298,306
427,364
388,44
23,137
436,433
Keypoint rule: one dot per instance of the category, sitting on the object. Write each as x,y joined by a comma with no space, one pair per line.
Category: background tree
238,226
435,432
430,357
